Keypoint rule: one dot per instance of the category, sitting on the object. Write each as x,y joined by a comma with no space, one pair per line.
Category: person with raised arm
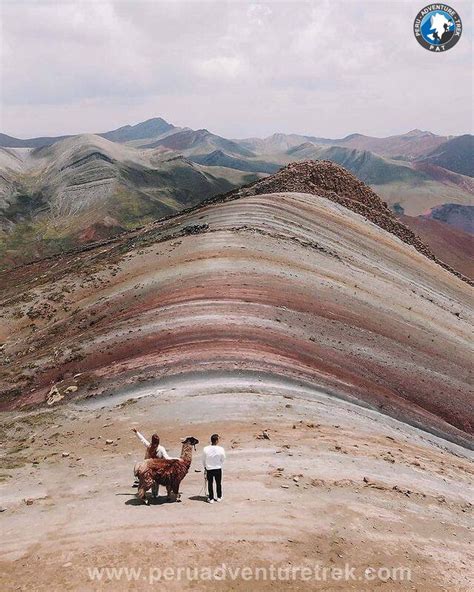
153,450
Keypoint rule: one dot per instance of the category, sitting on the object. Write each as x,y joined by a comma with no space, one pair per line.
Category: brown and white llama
169,473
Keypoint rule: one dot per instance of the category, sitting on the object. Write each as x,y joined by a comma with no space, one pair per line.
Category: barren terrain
286,284
334,485
319,337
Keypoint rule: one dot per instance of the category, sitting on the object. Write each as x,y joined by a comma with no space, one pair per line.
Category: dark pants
217,475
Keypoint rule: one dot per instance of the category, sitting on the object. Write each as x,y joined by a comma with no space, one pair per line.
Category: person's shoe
210,501
219,499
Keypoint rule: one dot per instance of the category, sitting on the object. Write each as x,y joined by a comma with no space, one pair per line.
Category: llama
160,471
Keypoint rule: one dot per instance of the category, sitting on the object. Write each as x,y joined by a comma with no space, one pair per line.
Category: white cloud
220,68
238,68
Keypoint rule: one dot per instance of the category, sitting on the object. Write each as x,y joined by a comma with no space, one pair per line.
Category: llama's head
187,450
191,440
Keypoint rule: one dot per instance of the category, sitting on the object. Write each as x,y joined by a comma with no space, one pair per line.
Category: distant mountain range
147,130
58,192
87,188
455,155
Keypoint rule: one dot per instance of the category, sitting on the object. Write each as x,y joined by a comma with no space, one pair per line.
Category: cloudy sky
238,68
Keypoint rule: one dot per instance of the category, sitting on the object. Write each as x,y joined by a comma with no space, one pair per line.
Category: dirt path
335,486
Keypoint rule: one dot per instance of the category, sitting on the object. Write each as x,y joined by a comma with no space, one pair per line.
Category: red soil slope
449,244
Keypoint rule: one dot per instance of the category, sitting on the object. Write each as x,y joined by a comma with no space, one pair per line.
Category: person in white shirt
213,457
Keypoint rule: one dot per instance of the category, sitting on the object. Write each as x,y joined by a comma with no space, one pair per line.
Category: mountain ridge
411,184
327,179
61,190
456,155
159,125
167,301
321,178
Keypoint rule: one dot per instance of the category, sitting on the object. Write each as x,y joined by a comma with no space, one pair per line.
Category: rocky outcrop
332,181
456,215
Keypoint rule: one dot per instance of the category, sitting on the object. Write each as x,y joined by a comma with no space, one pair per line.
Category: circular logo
437,27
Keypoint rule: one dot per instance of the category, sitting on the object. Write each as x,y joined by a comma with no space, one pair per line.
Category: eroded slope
288,285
